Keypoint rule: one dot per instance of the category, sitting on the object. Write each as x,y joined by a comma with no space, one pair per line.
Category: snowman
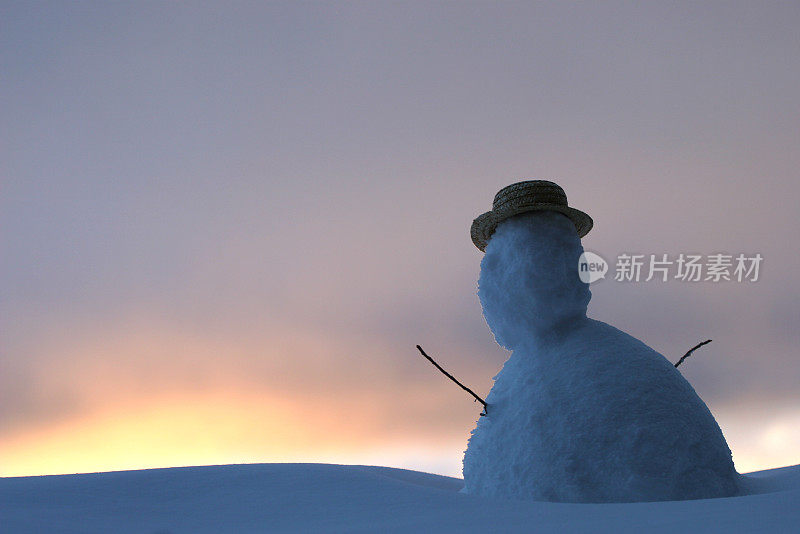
581,411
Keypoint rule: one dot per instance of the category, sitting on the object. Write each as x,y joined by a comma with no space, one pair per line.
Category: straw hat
522,197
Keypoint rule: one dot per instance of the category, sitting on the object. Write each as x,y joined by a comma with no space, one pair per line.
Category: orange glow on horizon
223,428
212,429
170,399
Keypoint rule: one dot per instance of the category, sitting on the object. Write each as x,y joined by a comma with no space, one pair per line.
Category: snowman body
581,412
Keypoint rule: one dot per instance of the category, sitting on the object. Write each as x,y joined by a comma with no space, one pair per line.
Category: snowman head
529,281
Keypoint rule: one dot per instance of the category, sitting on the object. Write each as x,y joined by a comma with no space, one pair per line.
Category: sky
224,227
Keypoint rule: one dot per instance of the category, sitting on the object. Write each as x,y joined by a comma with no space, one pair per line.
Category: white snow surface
336,498
580,412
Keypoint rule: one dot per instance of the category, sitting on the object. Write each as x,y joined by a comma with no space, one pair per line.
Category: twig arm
451,377
707,341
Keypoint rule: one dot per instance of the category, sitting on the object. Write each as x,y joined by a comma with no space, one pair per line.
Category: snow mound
581,412
335,498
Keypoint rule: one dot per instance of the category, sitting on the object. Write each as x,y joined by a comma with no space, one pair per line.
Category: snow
581,412
336,498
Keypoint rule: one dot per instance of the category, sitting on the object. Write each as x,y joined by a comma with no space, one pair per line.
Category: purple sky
264,207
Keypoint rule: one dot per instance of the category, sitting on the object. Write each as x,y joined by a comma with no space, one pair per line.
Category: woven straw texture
522,197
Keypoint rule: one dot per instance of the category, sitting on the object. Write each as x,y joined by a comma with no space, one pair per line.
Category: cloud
275,202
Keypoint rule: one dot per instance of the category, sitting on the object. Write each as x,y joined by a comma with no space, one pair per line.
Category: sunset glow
224,228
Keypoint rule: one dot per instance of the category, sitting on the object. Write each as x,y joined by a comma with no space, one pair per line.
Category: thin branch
451,377
691,351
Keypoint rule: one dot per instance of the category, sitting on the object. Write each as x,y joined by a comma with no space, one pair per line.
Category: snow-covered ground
341,498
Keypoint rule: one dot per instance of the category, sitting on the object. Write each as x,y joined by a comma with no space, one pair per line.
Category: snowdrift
338,498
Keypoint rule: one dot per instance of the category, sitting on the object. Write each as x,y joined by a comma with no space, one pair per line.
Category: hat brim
484,225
